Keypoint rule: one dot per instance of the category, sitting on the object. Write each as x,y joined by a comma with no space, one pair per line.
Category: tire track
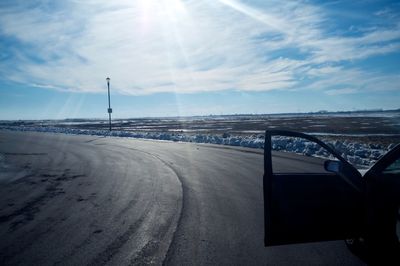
148,253
150,248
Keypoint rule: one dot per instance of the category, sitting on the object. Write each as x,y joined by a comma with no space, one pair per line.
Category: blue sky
200,57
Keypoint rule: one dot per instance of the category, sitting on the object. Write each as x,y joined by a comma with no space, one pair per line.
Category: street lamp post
109,104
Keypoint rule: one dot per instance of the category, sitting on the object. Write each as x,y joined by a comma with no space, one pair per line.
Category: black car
337,203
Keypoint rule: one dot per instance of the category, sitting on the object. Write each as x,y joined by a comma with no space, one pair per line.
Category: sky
196,57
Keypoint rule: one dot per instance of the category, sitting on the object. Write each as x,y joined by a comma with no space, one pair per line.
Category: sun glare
160,11
155,14
176,5
166,17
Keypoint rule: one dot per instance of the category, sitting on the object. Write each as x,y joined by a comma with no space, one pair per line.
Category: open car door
382,206
308,206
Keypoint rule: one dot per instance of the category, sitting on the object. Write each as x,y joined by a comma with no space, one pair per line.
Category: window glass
298,155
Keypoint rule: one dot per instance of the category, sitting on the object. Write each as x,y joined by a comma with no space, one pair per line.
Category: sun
159,9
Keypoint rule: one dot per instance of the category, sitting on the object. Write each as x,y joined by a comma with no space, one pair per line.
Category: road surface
86,200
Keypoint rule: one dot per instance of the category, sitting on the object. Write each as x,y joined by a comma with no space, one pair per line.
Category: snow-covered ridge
356,153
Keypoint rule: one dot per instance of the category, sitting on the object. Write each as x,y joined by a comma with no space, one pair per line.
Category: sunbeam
267,19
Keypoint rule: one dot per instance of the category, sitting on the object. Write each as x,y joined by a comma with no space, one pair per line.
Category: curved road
84,200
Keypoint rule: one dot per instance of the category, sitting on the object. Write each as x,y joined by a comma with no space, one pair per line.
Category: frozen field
361,137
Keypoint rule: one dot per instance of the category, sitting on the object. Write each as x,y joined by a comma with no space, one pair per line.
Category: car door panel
312,214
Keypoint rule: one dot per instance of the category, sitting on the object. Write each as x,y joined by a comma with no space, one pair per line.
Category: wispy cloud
149,46
339,80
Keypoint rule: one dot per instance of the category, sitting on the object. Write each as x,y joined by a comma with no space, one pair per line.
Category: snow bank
356,153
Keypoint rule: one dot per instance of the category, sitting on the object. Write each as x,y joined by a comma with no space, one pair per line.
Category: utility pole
109,104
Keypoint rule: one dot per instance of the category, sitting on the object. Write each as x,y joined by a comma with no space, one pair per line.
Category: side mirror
347,172
333,166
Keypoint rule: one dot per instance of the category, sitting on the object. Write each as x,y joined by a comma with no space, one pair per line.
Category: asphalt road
84,200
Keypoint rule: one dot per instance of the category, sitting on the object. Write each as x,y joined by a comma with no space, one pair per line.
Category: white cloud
149,46
339,80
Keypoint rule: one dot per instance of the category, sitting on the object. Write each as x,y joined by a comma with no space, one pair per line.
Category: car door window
298,155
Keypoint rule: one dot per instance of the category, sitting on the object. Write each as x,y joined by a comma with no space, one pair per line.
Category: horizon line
320,112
